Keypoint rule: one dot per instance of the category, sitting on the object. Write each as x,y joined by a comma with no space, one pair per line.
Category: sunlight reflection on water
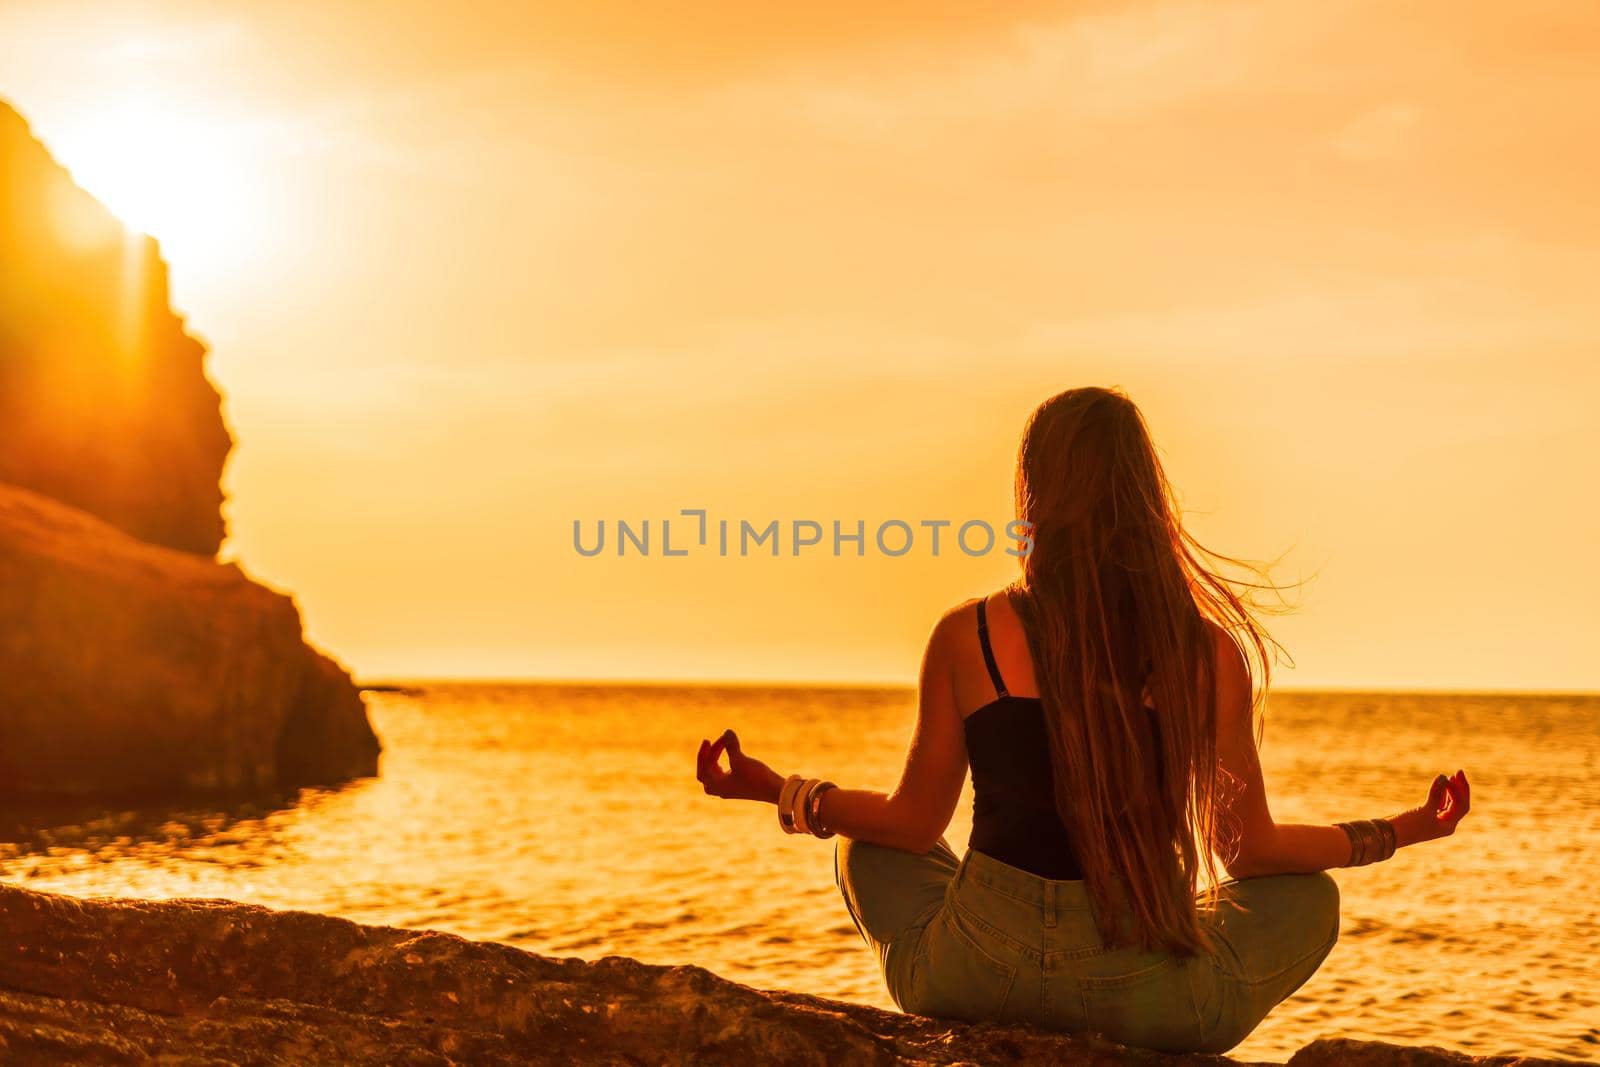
566,820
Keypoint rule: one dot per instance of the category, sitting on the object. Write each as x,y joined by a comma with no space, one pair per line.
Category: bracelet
1357,844
800,806
1357,834
1386,833
791,785
1371,841
802,797
814,810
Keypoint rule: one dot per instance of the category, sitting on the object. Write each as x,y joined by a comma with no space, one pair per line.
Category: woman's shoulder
952,621
1230,658
957,627
963,617
1232,680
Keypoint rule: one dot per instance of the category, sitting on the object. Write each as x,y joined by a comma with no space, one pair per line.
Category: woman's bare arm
916,813
1266,846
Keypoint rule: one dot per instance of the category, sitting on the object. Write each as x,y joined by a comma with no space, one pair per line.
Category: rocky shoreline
212,981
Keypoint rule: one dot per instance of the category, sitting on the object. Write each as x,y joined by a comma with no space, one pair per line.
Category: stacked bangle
791,785
1371,840
800,806
814,810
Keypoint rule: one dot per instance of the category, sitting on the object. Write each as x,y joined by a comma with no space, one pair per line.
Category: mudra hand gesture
1449,799
747,778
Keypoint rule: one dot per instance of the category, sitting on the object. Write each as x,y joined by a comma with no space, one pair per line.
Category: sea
565,819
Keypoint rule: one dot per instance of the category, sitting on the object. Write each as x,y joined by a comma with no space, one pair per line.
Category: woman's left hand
747,777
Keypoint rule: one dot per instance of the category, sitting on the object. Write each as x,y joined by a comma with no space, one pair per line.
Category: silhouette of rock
130,667
104,401
211,981
129,660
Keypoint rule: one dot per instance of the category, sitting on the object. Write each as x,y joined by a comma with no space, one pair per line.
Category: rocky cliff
104,402
126,667
210,982
129,659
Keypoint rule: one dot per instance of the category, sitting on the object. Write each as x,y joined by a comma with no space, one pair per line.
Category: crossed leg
892,895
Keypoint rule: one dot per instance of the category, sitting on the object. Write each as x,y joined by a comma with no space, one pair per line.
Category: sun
176,174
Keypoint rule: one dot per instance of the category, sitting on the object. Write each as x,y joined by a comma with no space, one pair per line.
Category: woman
1105,706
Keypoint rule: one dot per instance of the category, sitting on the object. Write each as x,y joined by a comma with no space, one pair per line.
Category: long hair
1115,600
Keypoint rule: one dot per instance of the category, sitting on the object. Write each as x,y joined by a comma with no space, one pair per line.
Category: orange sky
469,277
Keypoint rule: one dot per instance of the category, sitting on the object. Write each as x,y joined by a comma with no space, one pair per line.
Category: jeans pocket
955,977
1148,1004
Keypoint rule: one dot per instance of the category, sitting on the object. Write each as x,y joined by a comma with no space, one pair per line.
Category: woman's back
1014,817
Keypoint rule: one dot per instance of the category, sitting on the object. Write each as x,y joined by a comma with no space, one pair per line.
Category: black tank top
1014,817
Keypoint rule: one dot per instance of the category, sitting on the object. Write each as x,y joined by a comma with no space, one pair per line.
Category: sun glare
163,171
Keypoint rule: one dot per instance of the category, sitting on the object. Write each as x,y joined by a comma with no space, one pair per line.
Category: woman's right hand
1449,799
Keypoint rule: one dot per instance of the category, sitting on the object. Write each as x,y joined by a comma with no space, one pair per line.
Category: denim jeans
979,940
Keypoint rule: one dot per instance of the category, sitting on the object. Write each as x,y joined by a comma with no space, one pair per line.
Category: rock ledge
212,981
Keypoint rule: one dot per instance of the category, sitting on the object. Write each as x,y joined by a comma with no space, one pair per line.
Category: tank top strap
988,650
